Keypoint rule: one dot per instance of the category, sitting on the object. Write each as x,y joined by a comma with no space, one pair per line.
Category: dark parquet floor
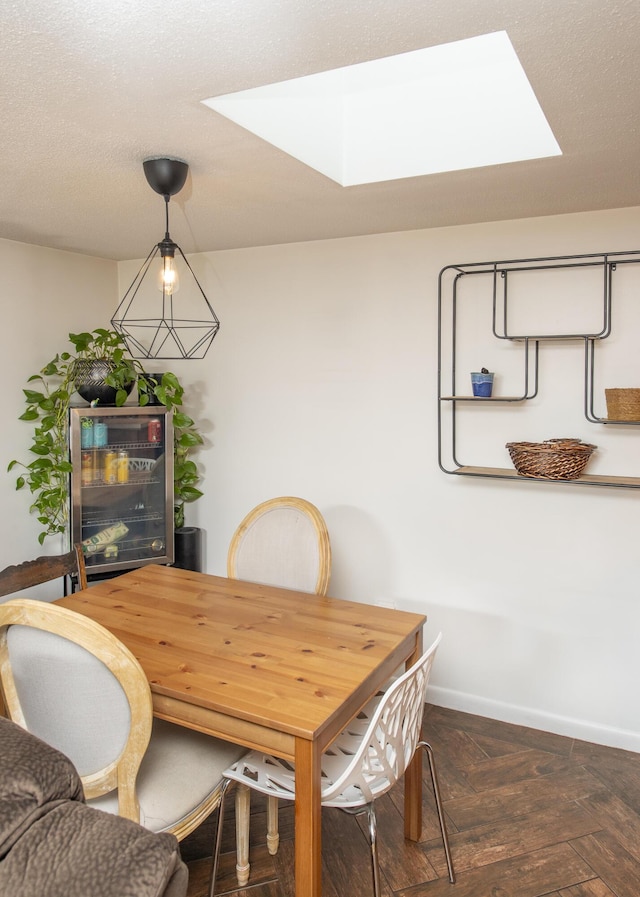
529,814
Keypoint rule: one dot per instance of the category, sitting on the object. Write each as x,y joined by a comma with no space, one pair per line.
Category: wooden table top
286,660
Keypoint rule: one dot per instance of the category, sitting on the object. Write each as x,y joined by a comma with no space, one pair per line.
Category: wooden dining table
269,668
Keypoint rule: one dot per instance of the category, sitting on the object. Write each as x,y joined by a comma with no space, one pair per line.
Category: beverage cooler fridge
122,486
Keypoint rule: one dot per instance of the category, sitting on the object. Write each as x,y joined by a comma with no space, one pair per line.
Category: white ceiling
90,89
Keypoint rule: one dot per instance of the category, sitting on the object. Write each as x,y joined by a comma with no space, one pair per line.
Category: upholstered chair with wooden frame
363,763
282,542
44,569
73,684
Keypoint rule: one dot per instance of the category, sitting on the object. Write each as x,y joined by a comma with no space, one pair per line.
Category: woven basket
623,404
554,459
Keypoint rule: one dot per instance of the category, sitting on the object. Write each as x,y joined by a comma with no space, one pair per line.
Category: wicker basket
554,459
623,404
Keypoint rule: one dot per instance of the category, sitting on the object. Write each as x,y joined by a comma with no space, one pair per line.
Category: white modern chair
362,764
282,542
73,684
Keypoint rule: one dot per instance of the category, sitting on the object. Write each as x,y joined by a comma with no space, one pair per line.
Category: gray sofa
53,845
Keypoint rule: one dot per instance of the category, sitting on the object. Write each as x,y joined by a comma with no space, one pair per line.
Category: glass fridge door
122,486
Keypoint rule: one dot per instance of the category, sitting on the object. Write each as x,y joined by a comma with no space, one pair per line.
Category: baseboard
536,719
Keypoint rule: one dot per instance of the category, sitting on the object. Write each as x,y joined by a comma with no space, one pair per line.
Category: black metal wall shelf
499,272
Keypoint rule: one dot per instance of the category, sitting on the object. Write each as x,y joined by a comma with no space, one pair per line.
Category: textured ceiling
89,90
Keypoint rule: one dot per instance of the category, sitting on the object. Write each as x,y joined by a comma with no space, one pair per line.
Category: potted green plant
99,370
187,540
48,401
186,438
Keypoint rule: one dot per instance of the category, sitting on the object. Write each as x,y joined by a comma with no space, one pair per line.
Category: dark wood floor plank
402,862
199,878
430,823
619,771
522,798
616,816
532,875
263,880
594,888
527,764
523,735
454,750
617,868
496,747
502,840
460,748
347,857
284,862
585,752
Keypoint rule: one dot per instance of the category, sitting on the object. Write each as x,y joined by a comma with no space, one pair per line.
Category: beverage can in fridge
86,433
123,467
110,468
154,430
86,468
99,434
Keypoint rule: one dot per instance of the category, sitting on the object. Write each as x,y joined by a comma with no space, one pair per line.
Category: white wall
322,383
46,294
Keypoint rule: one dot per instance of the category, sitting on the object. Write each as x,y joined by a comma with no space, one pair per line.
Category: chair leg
373,841
218,839
436,793
273,835
243,815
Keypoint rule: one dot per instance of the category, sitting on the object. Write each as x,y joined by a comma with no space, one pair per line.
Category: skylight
461,105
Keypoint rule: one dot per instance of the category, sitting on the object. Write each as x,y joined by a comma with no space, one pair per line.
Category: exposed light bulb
168,280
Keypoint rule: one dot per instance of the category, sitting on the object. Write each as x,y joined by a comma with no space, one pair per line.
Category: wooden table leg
308,827
413,774
413,798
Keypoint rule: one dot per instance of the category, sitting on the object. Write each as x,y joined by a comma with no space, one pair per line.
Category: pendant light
165,313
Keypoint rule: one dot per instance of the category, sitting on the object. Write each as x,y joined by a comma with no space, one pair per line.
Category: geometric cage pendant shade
165,313
158,323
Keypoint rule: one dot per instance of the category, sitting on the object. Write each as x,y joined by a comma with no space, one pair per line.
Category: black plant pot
187,542
89,376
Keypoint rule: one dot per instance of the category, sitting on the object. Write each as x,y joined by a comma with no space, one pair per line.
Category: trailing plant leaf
190,493
189,438
185,438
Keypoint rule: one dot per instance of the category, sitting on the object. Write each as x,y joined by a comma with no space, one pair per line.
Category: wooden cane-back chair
43,569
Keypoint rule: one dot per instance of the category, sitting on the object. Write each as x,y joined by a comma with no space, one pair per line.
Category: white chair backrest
76,686
282,542
380,756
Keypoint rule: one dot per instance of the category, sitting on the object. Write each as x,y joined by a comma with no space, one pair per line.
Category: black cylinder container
188,543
